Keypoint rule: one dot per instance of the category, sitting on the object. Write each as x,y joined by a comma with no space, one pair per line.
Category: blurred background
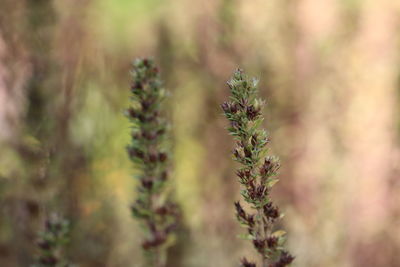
330,71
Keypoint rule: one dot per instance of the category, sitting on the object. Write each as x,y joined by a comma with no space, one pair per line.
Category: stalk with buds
257,173
51,242
157,213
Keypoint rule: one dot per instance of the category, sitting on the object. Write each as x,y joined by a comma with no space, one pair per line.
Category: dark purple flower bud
246,263
244,175
259,192
235,125
272,241
247,152
284,260
145,105
148,135
162,156
160,132
259,244
240,210
252,113
153,157
270,211
163,210
44,244
49,260
250,220
225,107
135,153
243,103
164,176
142,118
135,135
158,239
136,86
269,167
233,108
148,184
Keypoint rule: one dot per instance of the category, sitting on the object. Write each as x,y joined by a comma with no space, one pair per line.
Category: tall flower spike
153,208
257,173
51,241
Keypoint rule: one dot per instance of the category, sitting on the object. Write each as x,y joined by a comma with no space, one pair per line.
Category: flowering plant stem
153,207
257,173
51,243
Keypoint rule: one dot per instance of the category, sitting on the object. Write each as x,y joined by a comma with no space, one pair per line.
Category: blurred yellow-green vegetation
330,73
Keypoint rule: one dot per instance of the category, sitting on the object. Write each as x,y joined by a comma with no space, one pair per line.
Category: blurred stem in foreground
257,174
51,242
153,207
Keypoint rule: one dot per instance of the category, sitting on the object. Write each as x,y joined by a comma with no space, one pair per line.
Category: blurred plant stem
154,207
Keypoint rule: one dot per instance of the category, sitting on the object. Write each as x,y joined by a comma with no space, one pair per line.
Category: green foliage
258,171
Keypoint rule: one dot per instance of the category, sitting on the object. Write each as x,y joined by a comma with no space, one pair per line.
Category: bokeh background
329,70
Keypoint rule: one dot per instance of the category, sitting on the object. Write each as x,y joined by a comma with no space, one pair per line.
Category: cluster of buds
257,173
51,241
153,208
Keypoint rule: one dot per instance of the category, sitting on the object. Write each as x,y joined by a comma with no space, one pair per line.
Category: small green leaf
279,233
271,182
